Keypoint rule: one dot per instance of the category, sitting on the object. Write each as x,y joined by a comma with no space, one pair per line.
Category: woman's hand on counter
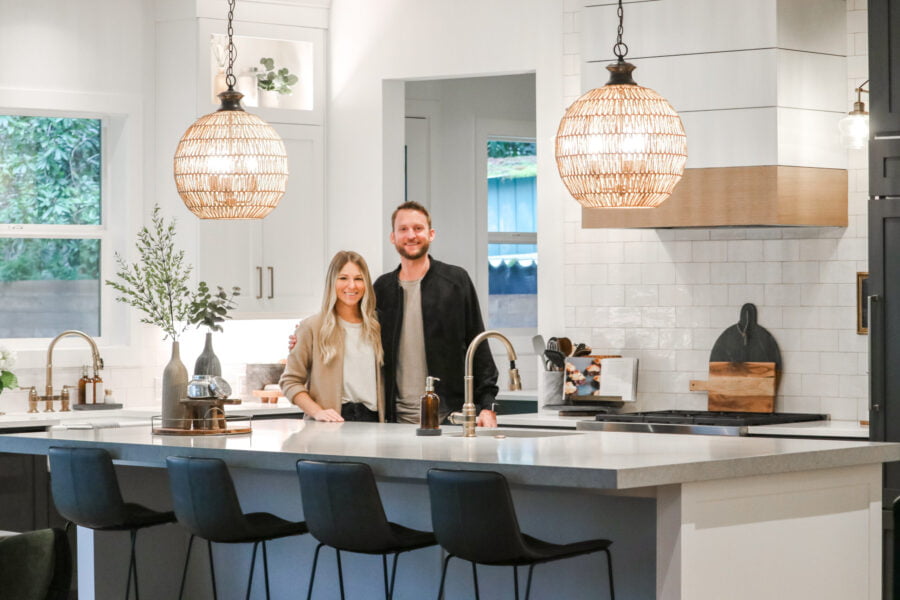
486,418
328,415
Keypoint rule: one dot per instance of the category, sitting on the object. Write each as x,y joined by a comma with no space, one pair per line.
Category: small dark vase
208,363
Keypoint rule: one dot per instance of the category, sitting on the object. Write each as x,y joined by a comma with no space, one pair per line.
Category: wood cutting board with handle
743,367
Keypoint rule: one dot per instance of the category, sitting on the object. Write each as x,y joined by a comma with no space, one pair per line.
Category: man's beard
418,253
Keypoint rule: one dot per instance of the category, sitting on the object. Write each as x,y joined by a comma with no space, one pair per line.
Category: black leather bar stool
36,565
86,492
474,518
207,505
343,509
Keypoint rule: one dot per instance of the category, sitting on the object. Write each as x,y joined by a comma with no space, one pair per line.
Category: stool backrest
84,487
204,499
473,515
341,505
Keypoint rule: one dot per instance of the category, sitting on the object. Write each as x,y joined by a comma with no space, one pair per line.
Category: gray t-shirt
359,367
411,365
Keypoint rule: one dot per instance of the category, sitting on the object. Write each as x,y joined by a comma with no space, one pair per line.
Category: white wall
666,295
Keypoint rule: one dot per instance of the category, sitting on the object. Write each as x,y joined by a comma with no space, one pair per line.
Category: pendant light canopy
622,145
231,164
854,127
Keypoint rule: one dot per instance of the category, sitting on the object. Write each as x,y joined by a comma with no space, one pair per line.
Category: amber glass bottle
83,386
430,410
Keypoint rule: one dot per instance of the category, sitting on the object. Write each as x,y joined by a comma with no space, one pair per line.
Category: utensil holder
550,387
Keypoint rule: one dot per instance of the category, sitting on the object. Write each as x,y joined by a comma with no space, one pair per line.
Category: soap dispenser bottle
430,410
84,387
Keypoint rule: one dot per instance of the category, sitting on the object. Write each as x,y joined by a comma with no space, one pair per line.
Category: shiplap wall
665,295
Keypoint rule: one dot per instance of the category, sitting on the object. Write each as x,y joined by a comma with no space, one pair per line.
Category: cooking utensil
582,350
565,346
553,344
537,342
746,341
556,358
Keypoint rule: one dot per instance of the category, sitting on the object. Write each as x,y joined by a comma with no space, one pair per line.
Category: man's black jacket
451,319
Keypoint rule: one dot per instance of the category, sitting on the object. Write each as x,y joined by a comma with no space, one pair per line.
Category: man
429,314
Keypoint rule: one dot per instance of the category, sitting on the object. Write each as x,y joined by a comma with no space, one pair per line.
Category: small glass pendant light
621,145
854,127
231,164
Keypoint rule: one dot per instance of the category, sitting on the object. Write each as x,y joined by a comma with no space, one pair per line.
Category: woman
333,373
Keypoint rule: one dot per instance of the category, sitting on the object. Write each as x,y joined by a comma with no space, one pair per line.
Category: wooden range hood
739,197
760,93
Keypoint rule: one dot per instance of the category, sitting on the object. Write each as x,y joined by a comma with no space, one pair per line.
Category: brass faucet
48,398
467,417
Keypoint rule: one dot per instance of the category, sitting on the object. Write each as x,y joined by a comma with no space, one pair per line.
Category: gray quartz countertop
598,460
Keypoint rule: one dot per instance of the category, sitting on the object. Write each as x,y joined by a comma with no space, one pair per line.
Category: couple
415,321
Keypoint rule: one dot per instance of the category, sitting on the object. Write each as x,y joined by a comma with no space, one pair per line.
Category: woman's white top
359,367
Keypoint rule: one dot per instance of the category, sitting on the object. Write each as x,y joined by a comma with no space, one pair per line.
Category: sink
503,433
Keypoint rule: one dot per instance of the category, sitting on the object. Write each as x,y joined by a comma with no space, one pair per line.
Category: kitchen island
712,517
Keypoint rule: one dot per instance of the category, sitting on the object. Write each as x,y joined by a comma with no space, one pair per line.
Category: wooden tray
233,426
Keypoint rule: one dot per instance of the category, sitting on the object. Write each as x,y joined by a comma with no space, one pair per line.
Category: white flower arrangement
7,362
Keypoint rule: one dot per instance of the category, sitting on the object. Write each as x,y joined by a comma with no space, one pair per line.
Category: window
51,231
512,233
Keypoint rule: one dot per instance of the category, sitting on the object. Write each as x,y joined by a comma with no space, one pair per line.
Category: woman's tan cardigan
305,371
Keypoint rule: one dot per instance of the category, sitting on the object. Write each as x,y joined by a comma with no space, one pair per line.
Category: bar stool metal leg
132,570
443,577
528,586
340,572
252,565
184,571
266,568
387,591
612,592
212,570
475,579
394,574
312,576
516,580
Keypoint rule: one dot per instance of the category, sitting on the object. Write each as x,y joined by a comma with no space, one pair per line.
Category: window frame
122,155
505,130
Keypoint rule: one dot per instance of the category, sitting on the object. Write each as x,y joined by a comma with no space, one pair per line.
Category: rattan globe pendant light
621,145
231,164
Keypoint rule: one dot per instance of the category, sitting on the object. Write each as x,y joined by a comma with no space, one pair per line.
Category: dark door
884,98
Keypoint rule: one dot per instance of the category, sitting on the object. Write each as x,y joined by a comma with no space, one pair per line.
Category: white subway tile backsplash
611,253
692,234
623,274
745,250
857,21
721,317
590,316
588,274
790,384
840,409
819,294
853,249
850,341
657,273
764,272
704,339
783,295
676,251
802,317
799,404
623,316
608,295
710,251
728,234
840,271
781,250
675,295
641,295
691,361
824,386
642,337
728,272
676,339
818,249
607,340
658,360
692,273
801,272
810,340
741,294
765,233
578,295
692,317
799,362
710,295
658,316
838,363
640,252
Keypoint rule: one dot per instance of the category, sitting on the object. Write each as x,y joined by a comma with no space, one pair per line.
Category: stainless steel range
697,422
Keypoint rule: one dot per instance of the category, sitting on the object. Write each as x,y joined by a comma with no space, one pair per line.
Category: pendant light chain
620,49
232,52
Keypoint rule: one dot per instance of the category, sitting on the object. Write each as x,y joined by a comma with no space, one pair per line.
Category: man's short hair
411,205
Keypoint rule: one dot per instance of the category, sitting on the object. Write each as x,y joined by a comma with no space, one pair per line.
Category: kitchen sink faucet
95,354
466,418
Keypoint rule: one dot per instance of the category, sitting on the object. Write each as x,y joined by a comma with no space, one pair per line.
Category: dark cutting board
746,341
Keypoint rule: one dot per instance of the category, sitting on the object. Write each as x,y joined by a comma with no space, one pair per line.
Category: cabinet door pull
259,288
271,282
873,303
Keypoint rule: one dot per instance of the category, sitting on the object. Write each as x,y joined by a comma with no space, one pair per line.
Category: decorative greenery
280,80
157,284
211,309
7,362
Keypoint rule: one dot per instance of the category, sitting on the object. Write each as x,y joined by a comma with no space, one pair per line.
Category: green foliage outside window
50,174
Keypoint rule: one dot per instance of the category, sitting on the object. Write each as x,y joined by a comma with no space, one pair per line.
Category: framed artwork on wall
862,308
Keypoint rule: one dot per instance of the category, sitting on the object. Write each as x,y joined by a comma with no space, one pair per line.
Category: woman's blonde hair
331,336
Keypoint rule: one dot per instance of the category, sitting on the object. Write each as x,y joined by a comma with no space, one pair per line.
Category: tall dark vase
174,389
208,363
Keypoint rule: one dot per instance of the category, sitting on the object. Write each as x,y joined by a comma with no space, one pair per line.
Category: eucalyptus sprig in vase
210,310
157,285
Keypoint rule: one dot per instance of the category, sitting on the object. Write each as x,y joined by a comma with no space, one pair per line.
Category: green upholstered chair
36,565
